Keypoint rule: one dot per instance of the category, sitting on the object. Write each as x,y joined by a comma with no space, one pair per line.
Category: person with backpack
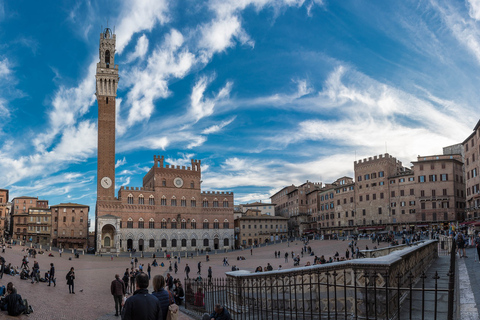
71,280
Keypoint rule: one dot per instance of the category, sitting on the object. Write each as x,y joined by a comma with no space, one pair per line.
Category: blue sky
267,93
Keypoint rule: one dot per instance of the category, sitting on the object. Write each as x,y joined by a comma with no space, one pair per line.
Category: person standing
175,266
132,280
51,277
199,268
169,281
477,244
117,288
125,278
286,257
187,270
60,252
142,306
71,280
136,261
35,272
161,294
149,269
210,275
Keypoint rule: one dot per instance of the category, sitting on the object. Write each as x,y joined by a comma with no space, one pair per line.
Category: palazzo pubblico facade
169,212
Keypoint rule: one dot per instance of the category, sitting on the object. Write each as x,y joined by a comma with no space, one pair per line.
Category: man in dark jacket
142,306
117,288
52,276
220,313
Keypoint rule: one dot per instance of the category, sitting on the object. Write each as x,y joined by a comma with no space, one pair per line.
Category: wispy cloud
138,16
216,128
120,162
140,49
464,30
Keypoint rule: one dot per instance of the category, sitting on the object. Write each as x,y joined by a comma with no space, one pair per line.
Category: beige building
70,225
253,228
385,196
265,208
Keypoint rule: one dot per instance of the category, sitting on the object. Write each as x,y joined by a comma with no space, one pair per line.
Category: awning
466,223
372,228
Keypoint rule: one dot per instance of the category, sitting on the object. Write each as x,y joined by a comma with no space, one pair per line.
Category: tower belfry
106,92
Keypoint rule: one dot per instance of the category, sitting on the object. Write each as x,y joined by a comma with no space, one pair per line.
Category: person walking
175,266
136,261
71,280
117,288
51,277
199,268
142,306
149,269
286,257
187,270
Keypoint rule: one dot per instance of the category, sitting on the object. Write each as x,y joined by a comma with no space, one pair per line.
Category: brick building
20,215
385,196
39,225
169,211
254,228
5,208
471,148
70,225
291,202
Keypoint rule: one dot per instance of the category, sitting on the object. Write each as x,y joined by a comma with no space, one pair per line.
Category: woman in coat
70,280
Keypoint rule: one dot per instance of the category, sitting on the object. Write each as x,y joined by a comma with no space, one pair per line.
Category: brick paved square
94,275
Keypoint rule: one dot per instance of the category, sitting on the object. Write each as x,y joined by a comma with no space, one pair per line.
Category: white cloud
4,68
216,128
137,16
140,49
464,30
68,104
203,107
151,83
185,160
120,162
474,9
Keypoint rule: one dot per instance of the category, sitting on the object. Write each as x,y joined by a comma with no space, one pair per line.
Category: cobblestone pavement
92,298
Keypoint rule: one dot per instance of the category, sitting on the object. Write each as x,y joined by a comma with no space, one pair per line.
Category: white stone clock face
178,182
106,182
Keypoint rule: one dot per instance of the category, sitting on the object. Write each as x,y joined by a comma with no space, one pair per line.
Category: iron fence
331,292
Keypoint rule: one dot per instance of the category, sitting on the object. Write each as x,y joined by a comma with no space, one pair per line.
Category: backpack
66,277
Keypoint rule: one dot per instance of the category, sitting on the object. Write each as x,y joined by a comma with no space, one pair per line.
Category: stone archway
129,244
141,245
108,236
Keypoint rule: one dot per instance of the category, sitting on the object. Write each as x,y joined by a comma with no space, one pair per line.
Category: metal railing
332,291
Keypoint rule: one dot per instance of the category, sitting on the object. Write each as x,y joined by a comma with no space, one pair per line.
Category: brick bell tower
107,81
